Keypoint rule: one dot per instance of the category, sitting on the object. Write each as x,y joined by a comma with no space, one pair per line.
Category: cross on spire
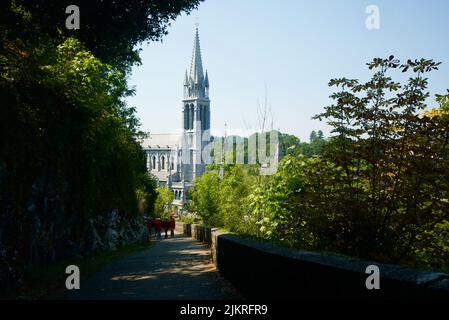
197,23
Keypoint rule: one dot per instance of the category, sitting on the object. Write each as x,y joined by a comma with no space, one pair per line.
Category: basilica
176,159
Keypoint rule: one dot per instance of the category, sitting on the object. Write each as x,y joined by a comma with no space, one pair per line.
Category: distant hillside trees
288,145
291,145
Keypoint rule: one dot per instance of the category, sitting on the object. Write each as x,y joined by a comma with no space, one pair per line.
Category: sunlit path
174,268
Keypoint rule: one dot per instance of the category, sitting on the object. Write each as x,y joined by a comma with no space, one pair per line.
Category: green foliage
290,144
164,199
111,30
222,202
274,203
433,248
65,106
147,194
315,146
234,189
190,218
393,156
205,198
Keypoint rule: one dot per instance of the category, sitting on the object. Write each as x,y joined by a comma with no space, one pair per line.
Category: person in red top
172,225
158,226
165,225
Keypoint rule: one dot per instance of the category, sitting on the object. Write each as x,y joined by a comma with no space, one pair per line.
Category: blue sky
288,49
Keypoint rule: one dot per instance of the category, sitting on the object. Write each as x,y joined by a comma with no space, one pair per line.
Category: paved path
174,268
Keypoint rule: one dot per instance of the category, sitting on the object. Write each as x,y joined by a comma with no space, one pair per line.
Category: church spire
196,68
186,79
206,80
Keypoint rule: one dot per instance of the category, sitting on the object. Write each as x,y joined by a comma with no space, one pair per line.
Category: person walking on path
158,227
172,225
165,226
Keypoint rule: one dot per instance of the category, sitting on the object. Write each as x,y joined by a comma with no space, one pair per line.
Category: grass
49,280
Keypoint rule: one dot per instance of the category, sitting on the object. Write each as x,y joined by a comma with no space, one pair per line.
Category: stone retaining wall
263,270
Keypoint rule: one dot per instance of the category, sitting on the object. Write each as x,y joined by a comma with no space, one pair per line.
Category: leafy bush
190,218
163,204
221,202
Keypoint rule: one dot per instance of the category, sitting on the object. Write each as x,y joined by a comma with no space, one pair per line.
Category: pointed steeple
196,68
186,79
206,80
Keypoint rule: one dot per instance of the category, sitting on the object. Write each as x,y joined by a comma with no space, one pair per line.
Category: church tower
195,115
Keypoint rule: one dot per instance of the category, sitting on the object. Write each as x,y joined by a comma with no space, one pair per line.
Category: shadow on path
174,268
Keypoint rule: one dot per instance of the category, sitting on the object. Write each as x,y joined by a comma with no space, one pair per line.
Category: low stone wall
263,270
179,227
195,231
202,233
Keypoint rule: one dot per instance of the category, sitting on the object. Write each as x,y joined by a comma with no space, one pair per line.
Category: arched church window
154,163
191,114
204,117
186,116
172,165
163,163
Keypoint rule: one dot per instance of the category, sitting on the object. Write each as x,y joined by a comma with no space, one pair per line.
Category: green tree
163,203
234,190
316,145
386,148
205,198
148,193
111,30
289,144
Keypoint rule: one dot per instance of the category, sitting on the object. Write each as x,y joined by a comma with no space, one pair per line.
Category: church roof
161,175
162,141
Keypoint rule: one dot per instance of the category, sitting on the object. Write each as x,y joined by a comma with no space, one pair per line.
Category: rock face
112,231
44,232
